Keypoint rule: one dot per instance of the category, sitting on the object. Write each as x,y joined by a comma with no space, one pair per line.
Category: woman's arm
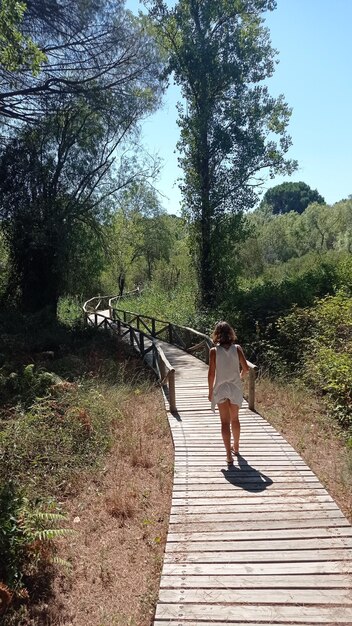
211,372
243,361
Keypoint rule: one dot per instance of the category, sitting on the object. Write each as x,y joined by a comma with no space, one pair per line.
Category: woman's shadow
246,476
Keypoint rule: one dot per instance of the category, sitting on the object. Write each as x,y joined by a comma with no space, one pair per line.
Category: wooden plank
272,613
189,546
257,596
257,569
232,500
177,622
262,524
222,476
239,517
284,581
256,535
230,490
260,556
252,508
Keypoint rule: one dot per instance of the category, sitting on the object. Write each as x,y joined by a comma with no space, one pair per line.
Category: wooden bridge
261,543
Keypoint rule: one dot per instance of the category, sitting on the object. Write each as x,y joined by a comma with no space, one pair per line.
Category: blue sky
314,42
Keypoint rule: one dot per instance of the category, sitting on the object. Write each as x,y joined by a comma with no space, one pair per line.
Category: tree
87,49
219,52
56,185
290,197
139,236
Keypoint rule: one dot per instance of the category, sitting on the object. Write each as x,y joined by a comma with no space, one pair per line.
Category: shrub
328,357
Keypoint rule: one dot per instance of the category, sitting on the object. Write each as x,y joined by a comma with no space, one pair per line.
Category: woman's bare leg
235,425
225,428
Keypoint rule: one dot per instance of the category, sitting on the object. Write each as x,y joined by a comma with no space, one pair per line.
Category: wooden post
251,389
95,319
141,343
207,352
131,336
171,338
172,391
153,327
162,368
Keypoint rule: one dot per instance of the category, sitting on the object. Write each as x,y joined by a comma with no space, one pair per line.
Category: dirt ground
121,519
304,422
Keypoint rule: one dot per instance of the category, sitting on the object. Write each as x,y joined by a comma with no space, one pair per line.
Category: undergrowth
64,390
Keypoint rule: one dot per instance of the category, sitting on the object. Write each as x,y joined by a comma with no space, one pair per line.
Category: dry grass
305,424
121,517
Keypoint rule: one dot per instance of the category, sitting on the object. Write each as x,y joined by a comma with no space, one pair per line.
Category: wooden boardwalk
262,543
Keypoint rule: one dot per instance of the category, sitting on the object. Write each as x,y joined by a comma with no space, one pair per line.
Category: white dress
228,384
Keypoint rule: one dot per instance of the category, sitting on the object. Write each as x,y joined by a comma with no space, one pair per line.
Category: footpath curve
262,543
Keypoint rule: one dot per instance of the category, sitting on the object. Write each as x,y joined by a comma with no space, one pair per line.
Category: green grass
177,306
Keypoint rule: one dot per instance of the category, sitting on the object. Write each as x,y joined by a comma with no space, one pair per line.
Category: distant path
261,544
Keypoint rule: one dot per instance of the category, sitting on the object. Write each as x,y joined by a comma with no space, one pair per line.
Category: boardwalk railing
140,340
101,303
183,337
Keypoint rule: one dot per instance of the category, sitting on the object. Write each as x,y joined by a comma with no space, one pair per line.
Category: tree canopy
290,196
87,49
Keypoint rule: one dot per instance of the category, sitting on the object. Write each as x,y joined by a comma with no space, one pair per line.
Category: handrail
183,337
128,294
160,364
87,308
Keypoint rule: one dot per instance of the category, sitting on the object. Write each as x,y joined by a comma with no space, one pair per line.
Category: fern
56,560
50,534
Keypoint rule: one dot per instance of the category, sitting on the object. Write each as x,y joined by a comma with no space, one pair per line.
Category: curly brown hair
223,334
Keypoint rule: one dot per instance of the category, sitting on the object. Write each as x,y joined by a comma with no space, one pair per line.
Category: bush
328,357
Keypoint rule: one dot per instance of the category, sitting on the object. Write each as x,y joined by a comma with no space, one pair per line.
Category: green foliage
25,384
46,439
275,240
176,306
263,301
328,360
140,236
27,538
290,197
69,311
16,50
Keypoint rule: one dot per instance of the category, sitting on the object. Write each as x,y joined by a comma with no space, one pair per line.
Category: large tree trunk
206,257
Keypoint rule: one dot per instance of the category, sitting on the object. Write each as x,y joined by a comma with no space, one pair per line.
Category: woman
225,361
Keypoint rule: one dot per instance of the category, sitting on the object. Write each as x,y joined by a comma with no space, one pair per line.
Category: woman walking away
227,365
